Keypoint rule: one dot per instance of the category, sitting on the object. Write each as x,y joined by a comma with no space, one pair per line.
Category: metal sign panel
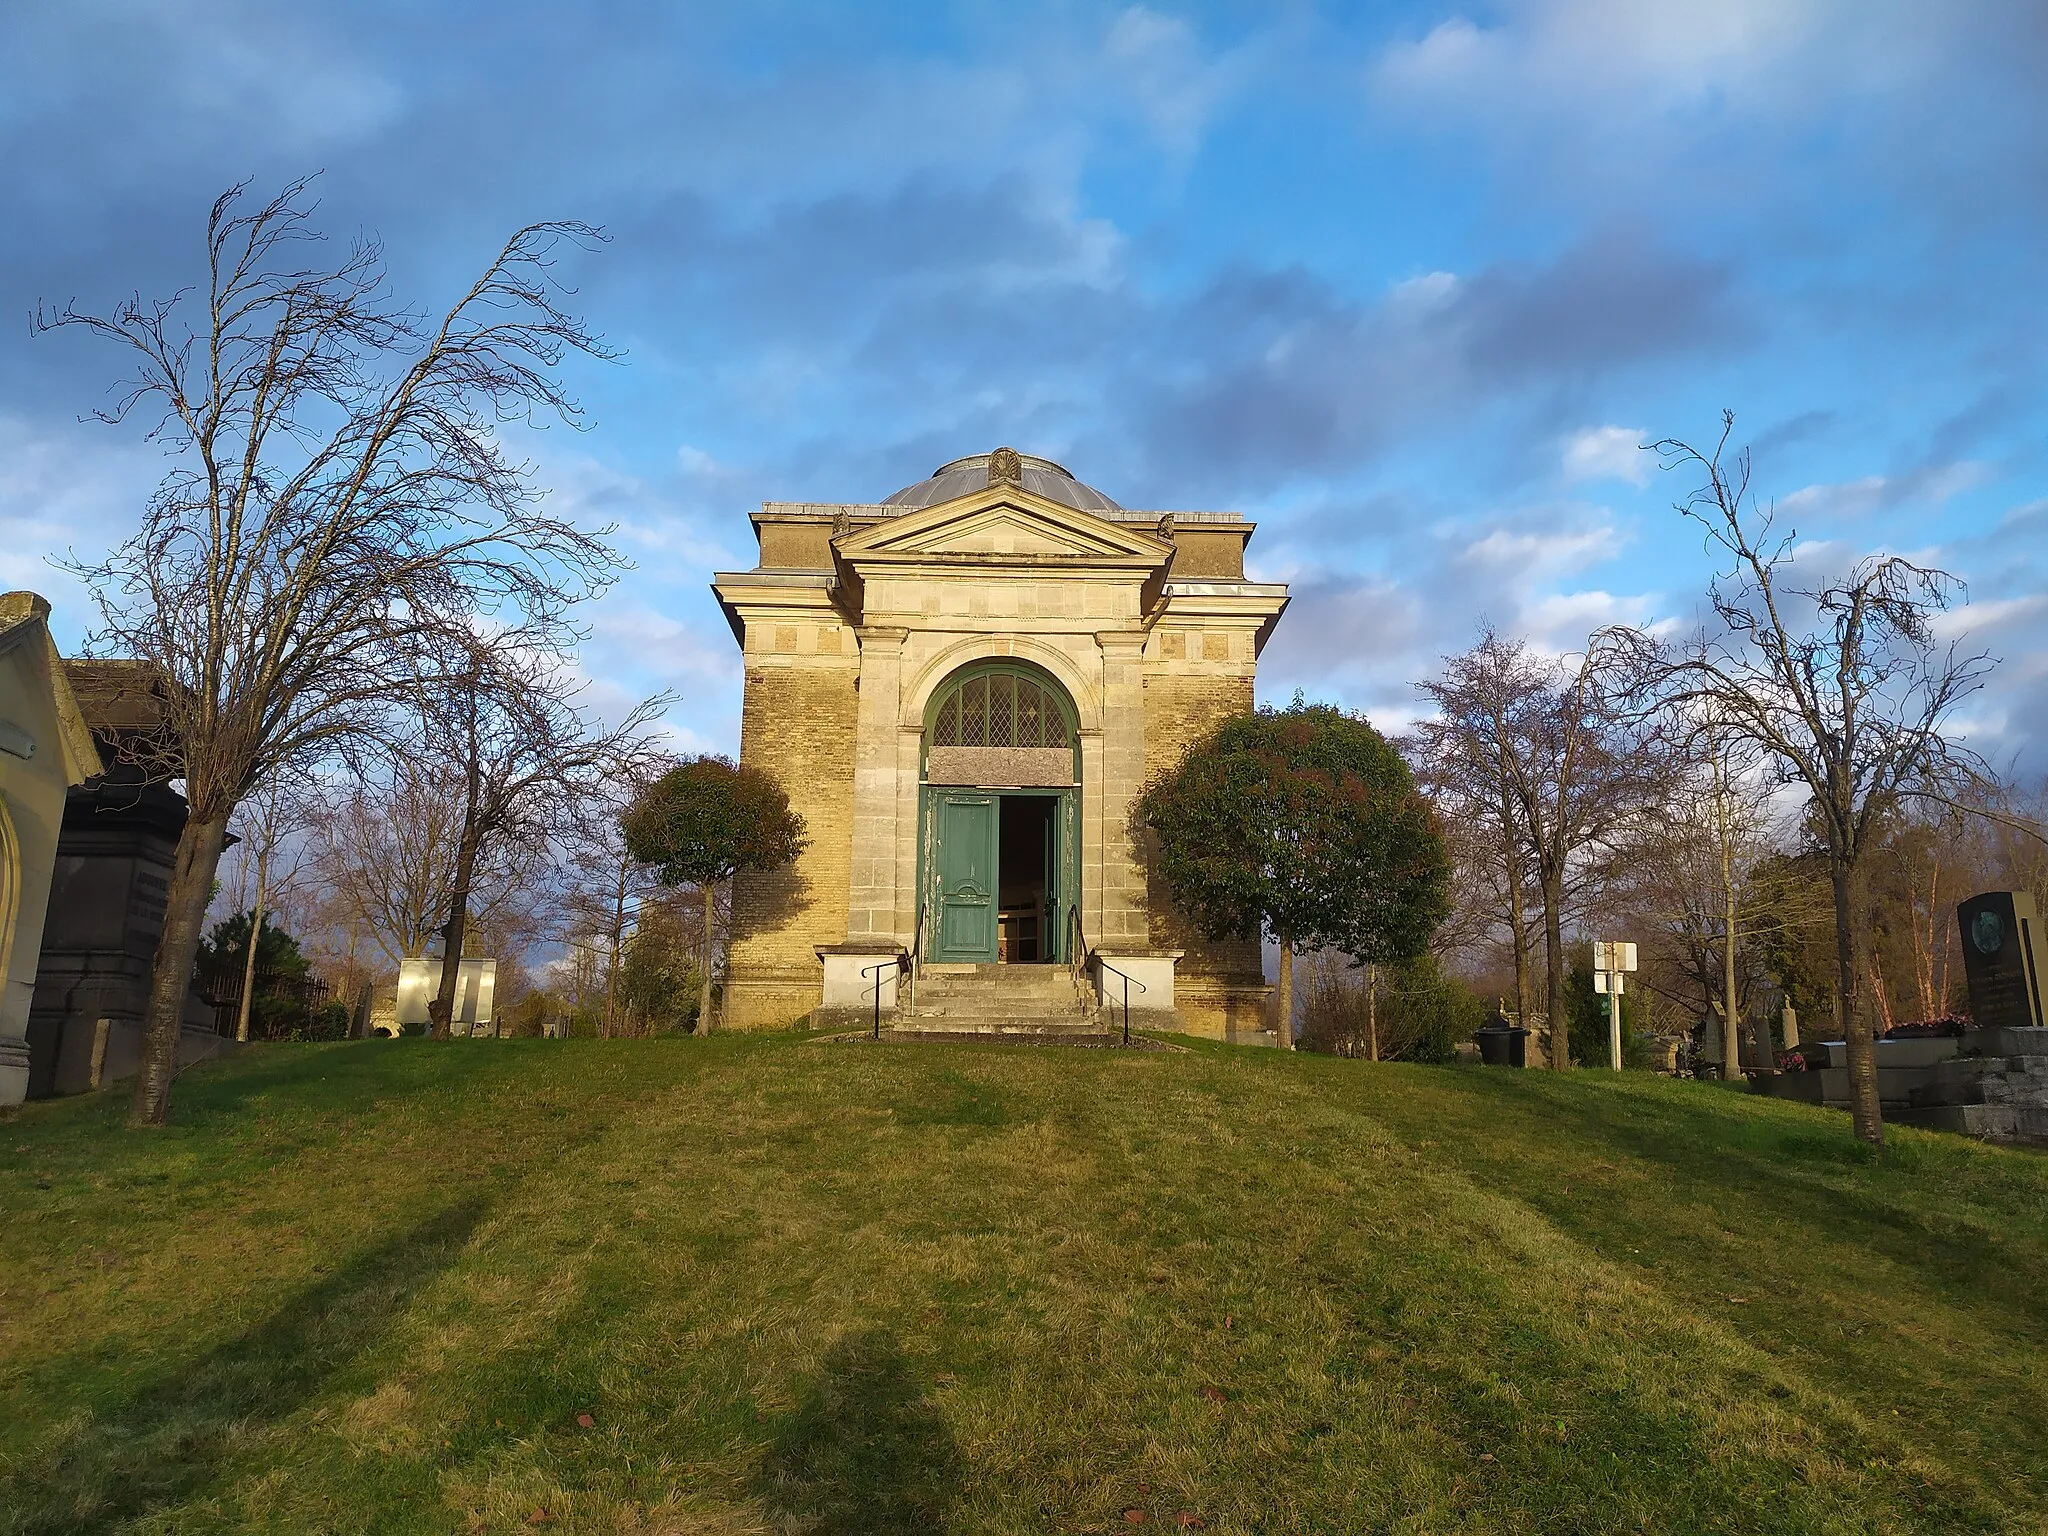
1613,955
476,985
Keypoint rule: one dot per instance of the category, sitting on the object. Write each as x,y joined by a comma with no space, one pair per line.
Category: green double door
964,875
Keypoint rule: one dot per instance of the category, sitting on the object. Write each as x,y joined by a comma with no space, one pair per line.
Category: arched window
999,709
1001,723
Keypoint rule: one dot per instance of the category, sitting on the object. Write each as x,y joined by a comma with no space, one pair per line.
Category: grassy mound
775,1285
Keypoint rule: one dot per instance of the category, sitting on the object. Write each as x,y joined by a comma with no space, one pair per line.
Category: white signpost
1612,960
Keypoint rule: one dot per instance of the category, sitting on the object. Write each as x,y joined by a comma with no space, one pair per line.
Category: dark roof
117,697
1042,477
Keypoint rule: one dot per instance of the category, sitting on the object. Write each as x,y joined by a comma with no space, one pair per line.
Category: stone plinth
852,981
1150,993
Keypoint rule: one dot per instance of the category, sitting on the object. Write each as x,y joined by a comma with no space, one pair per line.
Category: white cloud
1561,622
1983,619
1930,486
1415,298
72,488
1526,554
1601,54
1850,498
1158,59
1608,453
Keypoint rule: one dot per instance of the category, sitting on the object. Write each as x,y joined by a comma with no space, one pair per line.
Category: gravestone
2002,956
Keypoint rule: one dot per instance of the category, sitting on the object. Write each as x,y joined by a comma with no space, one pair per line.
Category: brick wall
1219,987
798,722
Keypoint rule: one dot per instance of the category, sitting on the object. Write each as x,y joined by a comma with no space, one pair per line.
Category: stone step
1096,1038
996,1027
991,1016
1000,1025
992,1002
957,970
1036,981
1051,996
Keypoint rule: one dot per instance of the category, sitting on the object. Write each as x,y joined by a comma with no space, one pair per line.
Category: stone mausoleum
963,688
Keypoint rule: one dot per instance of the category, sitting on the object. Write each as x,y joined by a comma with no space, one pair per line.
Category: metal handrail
1077,950
1130,981
891,964
915,964
1079,961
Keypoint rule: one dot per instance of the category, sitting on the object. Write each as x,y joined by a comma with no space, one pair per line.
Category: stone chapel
963,689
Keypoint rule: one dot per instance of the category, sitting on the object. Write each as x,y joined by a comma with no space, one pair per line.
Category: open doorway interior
1024,866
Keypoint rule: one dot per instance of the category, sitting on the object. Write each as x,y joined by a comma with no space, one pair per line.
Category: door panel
967,836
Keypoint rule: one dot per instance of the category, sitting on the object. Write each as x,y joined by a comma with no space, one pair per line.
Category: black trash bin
1502,1045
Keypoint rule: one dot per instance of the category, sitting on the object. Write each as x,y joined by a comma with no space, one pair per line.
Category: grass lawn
677,1286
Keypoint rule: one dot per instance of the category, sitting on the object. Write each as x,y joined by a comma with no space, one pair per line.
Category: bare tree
384,851
271,818
607,885
1842,683
530,768
1692,871
1464,762
341,481
1547,750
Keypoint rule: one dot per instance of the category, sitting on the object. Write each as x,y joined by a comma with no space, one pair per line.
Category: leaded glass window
999,709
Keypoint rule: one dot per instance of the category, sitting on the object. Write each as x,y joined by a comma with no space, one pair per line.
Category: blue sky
1406,284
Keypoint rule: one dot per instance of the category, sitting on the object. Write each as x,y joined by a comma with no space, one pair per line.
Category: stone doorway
1026,879
999,828
1001,875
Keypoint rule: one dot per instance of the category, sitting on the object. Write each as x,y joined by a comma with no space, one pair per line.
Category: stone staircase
1013,1003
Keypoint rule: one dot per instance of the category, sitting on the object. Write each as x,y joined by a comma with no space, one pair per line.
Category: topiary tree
1305,825
703,822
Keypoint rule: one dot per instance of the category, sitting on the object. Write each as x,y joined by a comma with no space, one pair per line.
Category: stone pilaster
872,898
1123,923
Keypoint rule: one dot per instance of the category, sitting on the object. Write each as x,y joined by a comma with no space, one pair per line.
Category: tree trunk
1518,924
441,1011
170,977
710,951
618,938
1518,914
1553,956
1924,942
1283,1019
1880,994
1864,1110
1731,1010
255,934
1372,1013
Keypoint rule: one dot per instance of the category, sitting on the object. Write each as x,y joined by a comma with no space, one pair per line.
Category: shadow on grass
865,1453
347,1077
1786,1177
165,1444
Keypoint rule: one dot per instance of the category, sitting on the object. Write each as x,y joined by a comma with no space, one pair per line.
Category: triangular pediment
1001,523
